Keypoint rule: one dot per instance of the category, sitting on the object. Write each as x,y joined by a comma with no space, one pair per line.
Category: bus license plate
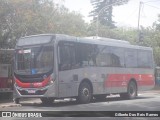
31,91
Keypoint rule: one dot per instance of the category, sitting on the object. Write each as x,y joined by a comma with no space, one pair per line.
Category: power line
152,6
139,16
131,14
152,1
144,15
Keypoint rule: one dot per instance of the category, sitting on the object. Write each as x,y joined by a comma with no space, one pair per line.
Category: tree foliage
26,17
128,34
103,10
151,36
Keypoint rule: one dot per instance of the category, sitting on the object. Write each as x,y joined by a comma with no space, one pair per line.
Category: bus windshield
35,60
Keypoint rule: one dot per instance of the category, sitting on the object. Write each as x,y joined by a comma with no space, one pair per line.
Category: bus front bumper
47,91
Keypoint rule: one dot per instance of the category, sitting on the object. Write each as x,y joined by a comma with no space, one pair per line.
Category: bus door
67,73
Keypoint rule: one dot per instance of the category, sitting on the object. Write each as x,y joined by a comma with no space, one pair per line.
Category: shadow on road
74,102
6,97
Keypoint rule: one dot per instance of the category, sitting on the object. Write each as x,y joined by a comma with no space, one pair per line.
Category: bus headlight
52,78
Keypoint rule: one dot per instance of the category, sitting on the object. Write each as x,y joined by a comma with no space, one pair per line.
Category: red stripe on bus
23,85
34,85
121,80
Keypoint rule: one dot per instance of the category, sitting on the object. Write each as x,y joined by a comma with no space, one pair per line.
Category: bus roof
92,40
107,40
37,39
112,42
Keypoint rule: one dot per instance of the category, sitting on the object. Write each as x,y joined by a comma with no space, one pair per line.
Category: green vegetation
27,17
103,10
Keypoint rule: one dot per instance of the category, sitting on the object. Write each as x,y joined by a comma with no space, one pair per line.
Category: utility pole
139,15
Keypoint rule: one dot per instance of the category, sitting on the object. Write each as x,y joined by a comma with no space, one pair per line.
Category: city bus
56,66
6,79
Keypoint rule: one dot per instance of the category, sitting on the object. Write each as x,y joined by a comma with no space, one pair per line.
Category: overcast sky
124,15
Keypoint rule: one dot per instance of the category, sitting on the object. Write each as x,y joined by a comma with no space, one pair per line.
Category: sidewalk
10,103
157,87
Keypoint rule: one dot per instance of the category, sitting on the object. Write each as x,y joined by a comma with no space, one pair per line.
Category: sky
124,15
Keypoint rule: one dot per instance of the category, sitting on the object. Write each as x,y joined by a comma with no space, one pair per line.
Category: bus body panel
104,80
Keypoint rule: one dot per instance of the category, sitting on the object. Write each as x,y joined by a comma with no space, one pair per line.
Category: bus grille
38,92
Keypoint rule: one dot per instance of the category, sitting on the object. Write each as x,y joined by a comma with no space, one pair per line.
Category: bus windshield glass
35,60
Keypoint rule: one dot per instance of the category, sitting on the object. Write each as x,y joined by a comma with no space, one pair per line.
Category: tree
152,39
105,15
128,34
19,18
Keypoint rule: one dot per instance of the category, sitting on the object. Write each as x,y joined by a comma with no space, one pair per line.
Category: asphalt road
146,101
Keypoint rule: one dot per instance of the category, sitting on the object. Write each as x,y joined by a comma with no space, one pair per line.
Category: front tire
85,93
132,90
16,100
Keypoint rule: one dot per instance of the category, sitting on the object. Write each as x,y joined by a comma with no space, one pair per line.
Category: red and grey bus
6,79
53,66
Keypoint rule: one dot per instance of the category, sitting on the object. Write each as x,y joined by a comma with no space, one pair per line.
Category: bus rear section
6,81
6,69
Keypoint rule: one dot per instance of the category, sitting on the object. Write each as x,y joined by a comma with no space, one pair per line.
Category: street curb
10,105
153,91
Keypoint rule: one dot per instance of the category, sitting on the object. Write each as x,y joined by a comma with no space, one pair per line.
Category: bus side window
145,59
131,58
67,56
110,56
86,54
117,56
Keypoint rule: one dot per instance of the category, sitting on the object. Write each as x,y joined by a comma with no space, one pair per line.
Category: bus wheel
131,91
47,100
85,93
16,100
